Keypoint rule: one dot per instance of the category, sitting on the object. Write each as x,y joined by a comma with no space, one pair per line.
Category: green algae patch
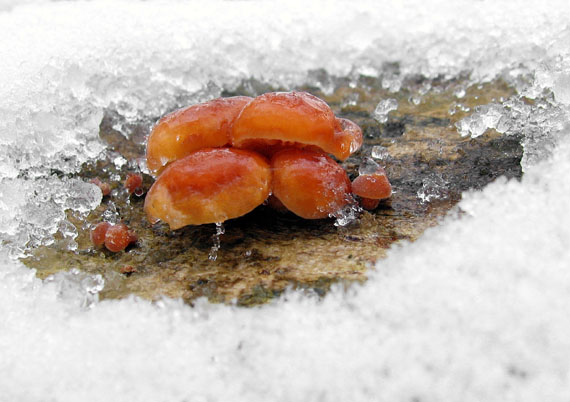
265,252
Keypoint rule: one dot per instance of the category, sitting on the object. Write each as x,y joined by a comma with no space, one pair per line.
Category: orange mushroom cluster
221,159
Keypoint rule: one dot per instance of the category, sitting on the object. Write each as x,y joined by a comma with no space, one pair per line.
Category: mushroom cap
117,237
204,125
210,185
276,120
375,185
309,184
98,233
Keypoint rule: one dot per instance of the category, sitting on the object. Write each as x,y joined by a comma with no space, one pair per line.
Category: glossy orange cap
276,120
205,125
308,183
375,185
210,185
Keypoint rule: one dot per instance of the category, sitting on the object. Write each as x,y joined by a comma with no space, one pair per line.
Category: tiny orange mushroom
205,125
114,237
117,237
309,183
98,233
372,188
209,186
294,119
128,270
133,183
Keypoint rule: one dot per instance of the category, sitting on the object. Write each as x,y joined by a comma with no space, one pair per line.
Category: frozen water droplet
434,187
503,125
80,196
347,214
383,108
111,214
220,230
485,117
425,88
119,162
368,166
459,93
380,152
415,99
69,233
350,100
77,287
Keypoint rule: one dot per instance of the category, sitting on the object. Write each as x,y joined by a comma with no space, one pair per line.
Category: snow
475,310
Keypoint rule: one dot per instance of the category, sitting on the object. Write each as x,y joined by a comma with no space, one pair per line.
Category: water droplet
119,162
434,187
415,99
368,166
350,100
220,230
347,214
380,152
484,117
459,92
